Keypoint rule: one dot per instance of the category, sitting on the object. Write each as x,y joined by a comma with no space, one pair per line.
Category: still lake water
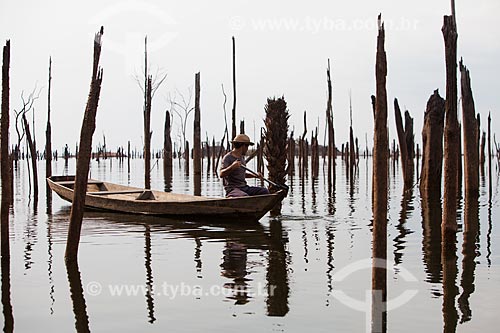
307,270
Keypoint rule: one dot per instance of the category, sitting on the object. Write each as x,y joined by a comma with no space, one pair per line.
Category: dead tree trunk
303,150
470,135
197,137
214,156
128,157
186,157
234,90
82,168
432,140
459,163
242,127
352,150
314,155
32,149
208,154
401,137
380,169
48,135
332,151
482,156
406,144
4,150
147,133
452,131
167,143
489,157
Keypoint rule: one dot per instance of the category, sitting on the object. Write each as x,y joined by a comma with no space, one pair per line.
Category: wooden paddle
282,186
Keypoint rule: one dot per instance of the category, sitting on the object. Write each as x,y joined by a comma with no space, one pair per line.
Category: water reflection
30,239
314,203
431,232
76,290
450,288
5,259
197,258
149,275
167,172
330,246
48,200
470,252
6,303
488,236
239,257
277,272
331,200
49,263
234,266
399,240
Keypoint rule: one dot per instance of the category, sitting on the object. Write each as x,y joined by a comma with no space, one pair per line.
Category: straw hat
242,138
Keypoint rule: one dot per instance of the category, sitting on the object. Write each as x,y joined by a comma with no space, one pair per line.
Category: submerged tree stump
167,143
406,140
83,164
471,135
432,150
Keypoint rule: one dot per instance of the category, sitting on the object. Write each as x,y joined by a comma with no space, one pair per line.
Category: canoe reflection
239,239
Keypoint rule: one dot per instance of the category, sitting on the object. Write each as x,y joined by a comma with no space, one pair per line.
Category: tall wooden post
452,131
352,150
242,127
4,151
48,135
380,169
197,137
129,156
489,156
470,135
452,159
83,164
233,127
167,143
332,151
147,134
482,154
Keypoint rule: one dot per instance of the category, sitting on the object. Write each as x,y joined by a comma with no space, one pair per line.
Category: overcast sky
282,49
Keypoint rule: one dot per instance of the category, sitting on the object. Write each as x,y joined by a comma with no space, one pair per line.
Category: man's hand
236,164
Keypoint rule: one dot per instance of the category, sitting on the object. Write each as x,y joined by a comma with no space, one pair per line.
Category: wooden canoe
119,198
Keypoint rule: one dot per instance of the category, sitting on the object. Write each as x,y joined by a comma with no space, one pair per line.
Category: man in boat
233,174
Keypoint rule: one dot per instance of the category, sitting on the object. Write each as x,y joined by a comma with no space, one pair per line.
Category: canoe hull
117,198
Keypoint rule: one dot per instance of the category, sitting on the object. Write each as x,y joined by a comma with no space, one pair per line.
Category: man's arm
226,171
